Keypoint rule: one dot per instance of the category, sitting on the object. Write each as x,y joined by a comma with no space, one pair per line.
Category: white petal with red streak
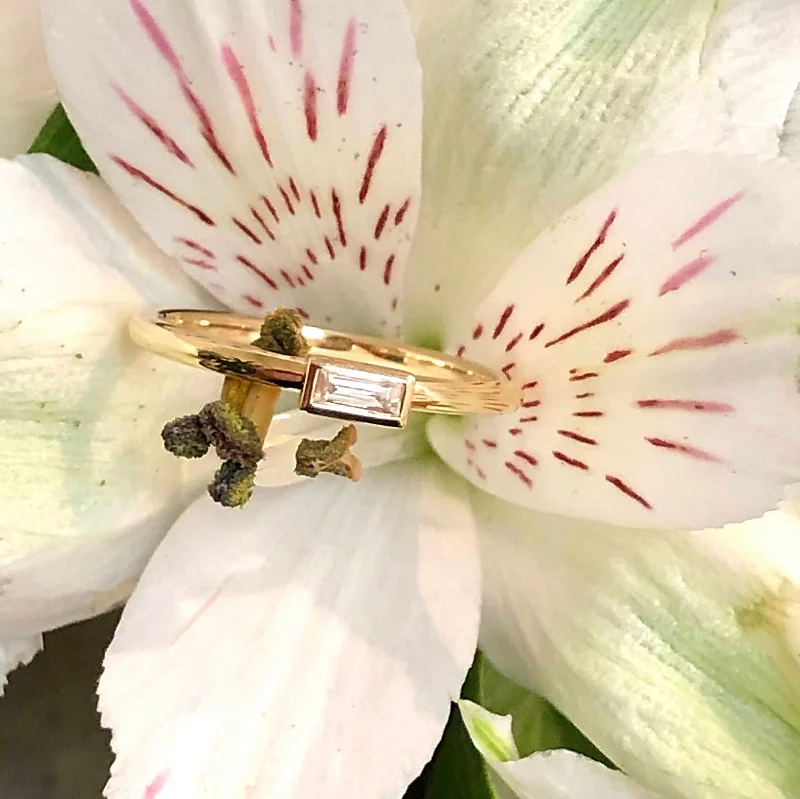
86,488
653,330
273,148
306,646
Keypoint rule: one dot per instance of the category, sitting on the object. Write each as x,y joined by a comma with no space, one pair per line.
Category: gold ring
344,376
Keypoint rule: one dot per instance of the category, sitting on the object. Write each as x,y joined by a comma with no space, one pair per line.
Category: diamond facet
343,390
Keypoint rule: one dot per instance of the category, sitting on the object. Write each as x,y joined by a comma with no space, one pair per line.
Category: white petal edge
85,486
653,331
15,653
285,138
27,90
556,774
674,654
308,645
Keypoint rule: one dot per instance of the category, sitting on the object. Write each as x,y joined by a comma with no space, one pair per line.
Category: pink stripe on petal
707,219
346,68
372,162
685,274
716,339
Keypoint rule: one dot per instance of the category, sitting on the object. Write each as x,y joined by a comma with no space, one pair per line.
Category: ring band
344,376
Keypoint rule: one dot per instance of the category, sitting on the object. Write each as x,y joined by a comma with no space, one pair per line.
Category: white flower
310,644
27,90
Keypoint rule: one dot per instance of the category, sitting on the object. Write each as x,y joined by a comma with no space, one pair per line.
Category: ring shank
222,342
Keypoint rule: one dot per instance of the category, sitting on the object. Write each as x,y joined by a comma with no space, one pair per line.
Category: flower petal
274,148
27,90
653,331
17,652
558,774
85,486
376,445
670,653
306,646
531,106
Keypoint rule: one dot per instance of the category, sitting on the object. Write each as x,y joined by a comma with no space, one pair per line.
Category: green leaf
59,139
537,725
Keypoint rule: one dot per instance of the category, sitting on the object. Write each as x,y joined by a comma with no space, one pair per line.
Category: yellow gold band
344,376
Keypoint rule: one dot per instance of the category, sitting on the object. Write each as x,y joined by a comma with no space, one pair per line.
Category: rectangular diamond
363,393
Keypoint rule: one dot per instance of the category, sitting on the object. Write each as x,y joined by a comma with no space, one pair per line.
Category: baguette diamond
343,390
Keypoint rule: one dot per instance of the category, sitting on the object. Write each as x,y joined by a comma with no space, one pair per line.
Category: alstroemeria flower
310,644
27,90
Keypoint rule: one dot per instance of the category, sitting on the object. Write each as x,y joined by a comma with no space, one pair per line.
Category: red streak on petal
584,395
307,272
515,431
310,105
337,213
601,237
526,419
312,257
171,146
469,445
387,270
346,68
536,331
514,469
530,384
685,274
477,332
253,268
503,321
167,52
532,404
506,370
362,259
480,472
606,316
560,456
296,27
513,343
198,262
254,301
487,442
716,339
381,223
402,211
616,355
193,245
156,786
577,437
303,312
526,456
461,350
601,278
139,174
246,230
372,162
687,405
683,449
264,225
286,199
584,376
239,79
628,491
394,303
329,247
272,45
315,203
293,187
588,414
271,208
707,219
288,278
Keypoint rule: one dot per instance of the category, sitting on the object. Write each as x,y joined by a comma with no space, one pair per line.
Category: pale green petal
529,106
16,652
86,488
673,653
558,774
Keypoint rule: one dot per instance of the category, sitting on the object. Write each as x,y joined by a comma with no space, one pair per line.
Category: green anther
233,436
282,333
232,485
185,438
332,457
